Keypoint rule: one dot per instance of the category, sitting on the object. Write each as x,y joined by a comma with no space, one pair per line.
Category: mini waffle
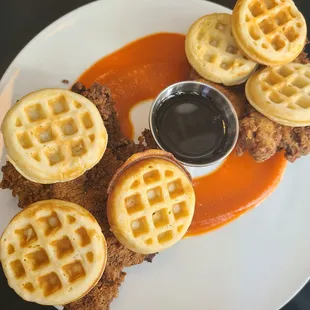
151,202
271,32
53,252
282,93
212,51
54,135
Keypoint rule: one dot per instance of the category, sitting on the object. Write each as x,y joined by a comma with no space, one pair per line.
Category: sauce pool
140,71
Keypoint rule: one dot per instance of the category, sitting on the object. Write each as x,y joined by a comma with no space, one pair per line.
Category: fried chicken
262,138
258,135
90,191
295,141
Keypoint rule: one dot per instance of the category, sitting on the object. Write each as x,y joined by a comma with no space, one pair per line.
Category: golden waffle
54,135
212,51
271,32
151,202
282,93
53,252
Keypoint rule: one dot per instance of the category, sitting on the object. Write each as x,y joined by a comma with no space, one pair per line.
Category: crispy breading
89,191
259,136
295,142
262,138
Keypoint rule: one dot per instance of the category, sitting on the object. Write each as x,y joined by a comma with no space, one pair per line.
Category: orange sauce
138,72
236,186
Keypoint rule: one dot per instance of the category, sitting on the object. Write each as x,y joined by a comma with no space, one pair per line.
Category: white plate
257,262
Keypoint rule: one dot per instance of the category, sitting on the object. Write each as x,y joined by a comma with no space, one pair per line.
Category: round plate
257,262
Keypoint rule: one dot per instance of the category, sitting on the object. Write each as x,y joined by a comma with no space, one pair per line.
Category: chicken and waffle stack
151,202
272,33
54,135
53,252
90,191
